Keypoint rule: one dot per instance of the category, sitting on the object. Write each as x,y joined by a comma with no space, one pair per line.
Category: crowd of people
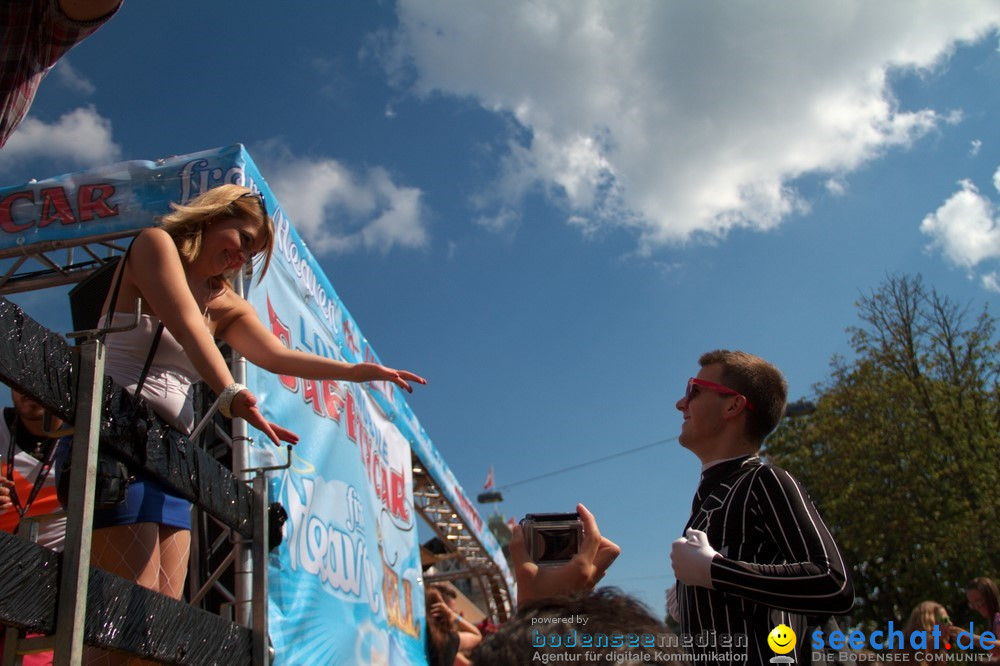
755,553
982,597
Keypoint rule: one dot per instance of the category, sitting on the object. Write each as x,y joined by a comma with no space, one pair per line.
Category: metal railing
83,613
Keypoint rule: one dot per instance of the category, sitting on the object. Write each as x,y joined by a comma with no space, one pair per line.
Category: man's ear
737,406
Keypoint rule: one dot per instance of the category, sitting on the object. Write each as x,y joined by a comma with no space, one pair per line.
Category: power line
589,462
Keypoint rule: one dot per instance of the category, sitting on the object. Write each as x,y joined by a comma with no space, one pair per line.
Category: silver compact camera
552,538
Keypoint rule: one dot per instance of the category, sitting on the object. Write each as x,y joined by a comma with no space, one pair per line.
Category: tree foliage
901,455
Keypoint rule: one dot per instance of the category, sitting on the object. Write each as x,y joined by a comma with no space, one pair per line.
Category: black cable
589,462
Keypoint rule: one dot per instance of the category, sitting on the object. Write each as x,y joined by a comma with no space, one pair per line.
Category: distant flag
489,480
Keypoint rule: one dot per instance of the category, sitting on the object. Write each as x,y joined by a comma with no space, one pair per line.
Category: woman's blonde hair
186,223
924,617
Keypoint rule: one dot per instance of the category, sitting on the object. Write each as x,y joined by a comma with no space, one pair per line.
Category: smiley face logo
781,639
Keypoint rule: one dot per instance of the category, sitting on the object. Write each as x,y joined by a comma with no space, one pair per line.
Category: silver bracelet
226,398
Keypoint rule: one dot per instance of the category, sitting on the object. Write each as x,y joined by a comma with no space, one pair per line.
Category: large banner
345,585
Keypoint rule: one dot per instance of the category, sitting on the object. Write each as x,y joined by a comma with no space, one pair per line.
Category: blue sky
551,209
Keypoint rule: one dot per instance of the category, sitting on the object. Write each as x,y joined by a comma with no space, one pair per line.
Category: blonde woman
923,618
182,273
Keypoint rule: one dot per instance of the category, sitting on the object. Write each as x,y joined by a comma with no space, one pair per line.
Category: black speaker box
87,298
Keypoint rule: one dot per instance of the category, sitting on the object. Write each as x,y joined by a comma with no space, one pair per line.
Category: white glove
692,559
673,608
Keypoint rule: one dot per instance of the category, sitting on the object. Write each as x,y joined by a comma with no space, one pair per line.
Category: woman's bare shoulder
153,239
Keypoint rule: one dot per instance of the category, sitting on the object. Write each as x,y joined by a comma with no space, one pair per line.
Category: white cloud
80,138
991,282
337,210
974,147
73,79
836,186
965,227
505,221
681,120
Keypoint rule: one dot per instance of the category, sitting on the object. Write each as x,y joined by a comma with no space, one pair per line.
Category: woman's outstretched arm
243,331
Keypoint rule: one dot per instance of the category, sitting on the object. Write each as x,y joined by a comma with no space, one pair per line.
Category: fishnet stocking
175,549
154,556
129,551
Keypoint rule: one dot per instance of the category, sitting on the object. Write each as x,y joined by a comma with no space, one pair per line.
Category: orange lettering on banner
394,611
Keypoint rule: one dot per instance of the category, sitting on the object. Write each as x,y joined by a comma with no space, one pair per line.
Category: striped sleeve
808,574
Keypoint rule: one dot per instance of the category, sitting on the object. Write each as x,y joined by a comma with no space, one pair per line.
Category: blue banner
346,582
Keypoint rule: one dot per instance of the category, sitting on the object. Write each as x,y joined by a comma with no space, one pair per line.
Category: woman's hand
373,372
439,610
6,503
583,572
245,406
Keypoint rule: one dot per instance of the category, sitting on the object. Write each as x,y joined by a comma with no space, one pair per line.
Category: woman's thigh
175,550
129,551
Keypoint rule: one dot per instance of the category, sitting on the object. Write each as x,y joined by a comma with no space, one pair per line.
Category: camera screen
555,543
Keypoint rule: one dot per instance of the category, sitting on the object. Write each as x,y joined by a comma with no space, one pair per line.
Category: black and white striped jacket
778,565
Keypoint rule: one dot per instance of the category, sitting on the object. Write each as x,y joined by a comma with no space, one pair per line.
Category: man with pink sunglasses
755,552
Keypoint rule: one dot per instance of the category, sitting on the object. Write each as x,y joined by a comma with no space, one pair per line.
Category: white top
168,387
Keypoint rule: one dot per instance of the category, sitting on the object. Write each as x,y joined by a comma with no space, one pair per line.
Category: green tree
497,523
901,455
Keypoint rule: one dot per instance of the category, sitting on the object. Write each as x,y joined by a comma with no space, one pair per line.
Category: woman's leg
132,552
129,551
175,550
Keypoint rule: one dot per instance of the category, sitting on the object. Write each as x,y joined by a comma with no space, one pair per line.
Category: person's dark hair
446,591
762,384
990,591
609,611
438,628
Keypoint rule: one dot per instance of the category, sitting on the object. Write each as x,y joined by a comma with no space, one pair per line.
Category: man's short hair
609,612
762,384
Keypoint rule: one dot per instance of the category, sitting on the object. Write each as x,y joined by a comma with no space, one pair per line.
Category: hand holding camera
560,569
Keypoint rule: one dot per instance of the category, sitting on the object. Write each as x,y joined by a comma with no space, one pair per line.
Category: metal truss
57,263
466,558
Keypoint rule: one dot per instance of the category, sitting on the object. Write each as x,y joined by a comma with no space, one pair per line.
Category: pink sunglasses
712,386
